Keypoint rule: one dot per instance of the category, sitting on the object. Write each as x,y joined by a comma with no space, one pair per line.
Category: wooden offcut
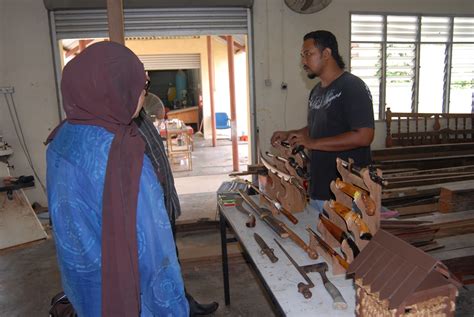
457,197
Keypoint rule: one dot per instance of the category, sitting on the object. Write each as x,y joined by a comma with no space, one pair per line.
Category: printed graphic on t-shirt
323,101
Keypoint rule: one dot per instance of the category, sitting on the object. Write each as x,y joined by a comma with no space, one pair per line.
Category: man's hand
299,138
279,136
341,142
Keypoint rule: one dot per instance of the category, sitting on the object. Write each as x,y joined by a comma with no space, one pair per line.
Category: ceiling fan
307,6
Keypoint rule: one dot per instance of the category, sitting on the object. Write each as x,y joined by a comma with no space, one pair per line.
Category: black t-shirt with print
344,105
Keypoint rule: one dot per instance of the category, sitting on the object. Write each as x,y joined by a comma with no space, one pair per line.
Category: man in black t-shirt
340,115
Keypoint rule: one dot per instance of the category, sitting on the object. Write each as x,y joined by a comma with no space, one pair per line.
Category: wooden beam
82,45
210,63
233,111
417,209
115,21
237,45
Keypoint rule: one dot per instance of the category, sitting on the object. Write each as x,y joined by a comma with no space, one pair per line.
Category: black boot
196,309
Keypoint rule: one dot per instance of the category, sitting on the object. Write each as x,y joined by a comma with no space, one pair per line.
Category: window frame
383,67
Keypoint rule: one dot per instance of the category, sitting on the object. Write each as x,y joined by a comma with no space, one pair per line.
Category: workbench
280,279
18,222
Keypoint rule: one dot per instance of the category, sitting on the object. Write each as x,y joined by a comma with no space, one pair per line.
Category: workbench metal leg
225,266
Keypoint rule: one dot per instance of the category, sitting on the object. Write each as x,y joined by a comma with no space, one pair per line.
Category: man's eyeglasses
147,87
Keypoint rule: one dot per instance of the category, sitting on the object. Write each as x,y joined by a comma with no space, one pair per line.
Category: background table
179,143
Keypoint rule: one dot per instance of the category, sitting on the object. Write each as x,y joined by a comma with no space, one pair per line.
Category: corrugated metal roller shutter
71,24
171,61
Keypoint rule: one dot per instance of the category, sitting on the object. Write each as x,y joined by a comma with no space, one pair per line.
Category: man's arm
342,142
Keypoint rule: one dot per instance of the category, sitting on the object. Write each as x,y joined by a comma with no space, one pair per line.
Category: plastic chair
222,120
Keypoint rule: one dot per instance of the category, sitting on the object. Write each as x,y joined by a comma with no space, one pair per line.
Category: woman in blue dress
113,237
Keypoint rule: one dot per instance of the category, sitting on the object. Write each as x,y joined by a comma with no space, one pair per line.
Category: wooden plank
428,181
433,245
436,171
402,152
460,186
462,268
417,209
414,234
454,243
427,162
420,176
452,254
422,191
440,218
451,223
413,192
456,198
395,223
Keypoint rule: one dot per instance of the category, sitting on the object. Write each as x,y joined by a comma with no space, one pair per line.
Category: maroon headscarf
101,87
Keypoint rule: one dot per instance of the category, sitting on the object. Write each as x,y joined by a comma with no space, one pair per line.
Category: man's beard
309,73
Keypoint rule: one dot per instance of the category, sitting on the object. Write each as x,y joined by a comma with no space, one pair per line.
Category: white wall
26,64
277,53
3,30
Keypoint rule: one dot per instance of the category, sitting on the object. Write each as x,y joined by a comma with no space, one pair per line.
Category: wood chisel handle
287,214
338,300
296,239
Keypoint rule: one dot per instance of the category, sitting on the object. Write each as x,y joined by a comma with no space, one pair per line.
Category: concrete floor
29,275
209,160
29,278
211,166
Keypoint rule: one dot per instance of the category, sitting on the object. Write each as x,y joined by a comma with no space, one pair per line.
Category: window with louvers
462,68
415,63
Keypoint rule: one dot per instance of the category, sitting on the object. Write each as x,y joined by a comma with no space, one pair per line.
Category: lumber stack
432,189
427,178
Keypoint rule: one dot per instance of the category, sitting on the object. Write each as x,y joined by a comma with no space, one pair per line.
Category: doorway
181,75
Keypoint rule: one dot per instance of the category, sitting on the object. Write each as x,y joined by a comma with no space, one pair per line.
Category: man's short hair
325,39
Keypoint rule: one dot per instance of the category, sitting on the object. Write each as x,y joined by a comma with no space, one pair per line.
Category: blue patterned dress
77,160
